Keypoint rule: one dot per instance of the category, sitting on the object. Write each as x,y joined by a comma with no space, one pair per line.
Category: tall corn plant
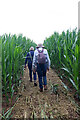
0,75
4,59
64,54
79,59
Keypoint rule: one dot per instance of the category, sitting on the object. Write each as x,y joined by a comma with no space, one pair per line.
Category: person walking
41,62
29,60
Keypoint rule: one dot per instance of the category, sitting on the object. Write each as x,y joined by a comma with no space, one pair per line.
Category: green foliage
79,58
64,53
14,49
7,115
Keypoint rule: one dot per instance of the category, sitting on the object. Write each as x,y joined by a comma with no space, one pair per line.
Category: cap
31,48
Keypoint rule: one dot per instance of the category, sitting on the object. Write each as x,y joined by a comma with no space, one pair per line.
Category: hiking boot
35,84
41,89
45,87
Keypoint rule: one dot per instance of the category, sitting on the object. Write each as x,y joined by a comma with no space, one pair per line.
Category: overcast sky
37,19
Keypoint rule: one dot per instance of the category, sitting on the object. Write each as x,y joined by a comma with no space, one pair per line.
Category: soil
56,102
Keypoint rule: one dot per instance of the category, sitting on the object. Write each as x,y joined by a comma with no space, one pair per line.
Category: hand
25,67
34,71
47,69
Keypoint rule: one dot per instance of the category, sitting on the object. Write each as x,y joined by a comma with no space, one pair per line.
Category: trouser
30,72
41,70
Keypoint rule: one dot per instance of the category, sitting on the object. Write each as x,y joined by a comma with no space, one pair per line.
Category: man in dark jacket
29,59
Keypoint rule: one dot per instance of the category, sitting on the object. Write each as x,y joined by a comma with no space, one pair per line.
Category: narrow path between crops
35,104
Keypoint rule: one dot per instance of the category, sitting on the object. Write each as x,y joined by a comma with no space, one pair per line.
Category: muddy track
56,102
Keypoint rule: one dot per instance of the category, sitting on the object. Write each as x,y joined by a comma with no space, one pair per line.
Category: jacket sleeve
34,60
26,58
48,60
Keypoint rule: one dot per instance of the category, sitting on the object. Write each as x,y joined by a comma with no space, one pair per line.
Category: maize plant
14,49
64,52
79,59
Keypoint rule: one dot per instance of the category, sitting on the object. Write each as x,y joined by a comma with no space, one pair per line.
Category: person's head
40,45
31,48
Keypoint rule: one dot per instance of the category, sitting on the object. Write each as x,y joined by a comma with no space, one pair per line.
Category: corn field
64,52
14,50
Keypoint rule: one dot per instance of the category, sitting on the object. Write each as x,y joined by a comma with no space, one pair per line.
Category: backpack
41,57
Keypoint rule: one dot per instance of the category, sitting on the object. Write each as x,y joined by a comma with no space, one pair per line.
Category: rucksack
41,57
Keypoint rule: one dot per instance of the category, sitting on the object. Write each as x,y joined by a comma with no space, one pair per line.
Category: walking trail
56,102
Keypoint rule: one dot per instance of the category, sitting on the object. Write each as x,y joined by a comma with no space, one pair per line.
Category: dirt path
35,104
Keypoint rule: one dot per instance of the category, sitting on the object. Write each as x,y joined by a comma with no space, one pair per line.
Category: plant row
64,52
14,50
